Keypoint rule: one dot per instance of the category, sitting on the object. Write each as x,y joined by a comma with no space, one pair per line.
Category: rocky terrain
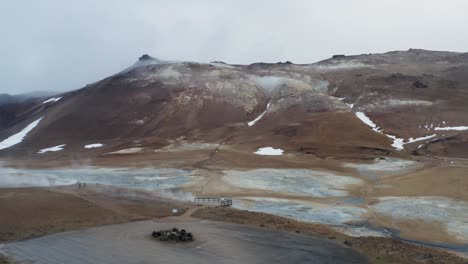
415,101
372,146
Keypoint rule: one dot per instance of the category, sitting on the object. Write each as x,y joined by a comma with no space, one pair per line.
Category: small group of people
81,185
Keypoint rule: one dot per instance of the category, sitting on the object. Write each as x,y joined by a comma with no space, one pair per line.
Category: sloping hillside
372,105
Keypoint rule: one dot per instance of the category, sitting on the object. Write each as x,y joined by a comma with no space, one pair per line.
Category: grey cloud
63,45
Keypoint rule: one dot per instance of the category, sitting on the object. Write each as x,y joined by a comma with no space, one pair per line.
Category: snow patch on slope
411,140
366,120
398,143
459,128
18,137
251,123
52,149
269,151
95,145
52,100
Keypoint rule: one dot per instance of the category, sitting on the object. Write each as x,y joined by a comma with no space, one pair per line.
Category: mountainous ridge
311,106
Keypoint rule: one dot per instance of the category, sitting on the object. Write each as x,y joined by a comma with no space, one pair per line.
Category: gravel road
216,242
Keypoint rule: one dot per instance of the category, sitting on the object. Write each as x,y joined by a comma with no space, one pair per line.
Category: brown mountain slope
308,108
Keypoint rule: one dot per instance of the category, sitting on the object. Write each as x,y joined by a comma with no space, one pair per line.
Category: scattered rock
338,56
145,57
418,84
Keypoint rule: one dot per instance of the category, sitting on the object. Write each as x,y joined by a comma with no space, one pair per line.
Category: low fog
62,45
121,182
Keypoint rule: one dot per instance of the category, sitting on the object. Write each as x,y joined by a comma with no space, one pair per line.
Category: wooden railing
213,200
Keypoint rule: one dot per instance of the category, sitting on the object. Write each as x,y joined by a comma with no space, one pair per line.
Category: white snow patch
52,149
95,145
18,137
52,100
397,142
411,140
251,123
459,128
269,151
366,120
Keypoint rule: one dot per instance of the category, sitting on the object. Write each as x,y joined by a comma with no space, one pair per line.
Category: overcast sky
62,45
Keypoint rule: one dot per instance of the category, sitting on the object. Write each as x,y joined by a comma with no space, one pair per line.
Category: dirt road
216,242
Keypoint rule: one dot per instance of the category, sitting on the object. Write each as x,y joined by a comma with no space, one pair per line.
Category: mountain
7,99
11,99
372,105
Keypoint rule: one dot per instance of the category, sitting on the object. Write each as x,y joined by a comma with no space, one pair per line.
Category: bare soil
33,212
379,250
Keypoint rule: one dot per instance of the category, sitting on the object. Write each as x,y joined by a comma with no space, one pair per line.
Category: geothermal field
354,159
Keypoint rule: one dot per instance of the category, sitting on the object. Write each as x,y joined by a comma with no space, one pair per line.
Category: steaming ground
70,207
144,179
360,199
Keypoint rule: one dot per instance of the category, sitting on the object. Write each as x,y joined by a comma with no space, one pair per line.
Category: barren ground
32,212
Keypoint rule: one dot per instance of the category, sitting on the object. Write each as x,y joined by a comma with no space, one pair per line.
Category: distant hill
370,105
9,99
